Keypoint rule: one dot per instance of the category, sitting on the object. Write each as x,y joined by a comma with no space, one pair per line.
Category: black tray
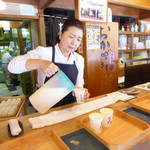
87,141
138,114
22,129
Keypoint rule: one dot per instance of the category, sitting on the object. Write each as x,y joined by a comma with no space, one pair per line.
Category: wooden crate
43,139
142,103
124,132
19,108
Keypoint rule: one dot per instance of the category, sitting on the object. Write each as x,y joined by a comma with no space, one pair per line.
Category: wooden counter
62,128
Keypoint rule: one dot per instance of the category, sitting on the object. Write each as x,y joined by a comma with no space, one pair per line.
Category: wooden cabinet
132,45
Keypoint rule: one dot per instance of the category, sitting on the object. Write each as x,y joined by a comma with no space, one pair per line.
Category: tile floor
4,92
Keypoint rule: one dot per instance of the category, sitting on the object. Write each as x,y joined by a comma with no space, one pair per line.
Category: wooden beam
18,17
143,4
44,3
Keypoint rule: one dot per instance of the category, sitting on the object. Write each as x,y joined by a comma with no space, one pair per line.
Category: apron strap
53,54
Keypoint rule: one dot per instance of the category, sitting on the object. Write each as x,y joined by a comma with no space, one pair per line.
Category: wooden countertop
62,128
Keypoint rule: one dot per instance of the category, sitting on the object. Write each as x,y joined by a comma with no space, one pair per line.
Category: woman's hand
86,95
48,68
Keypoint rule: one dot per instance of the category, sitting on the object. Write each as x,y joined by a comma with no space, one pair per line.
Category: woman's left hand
86,95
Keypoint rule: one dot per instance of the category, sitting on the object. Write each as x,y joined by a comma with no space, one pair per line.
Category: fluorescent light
2,5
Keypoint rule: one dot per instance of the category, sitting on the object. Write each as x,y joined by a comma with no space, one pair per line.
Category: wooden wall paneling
67,4
143,4
124,10
92,69
42,4
93,72
144,14
109,64
101,65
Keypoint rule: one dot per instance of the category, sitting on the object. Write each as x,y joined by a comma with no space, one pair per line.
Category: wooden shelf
132,50
125,51
135,50
135,33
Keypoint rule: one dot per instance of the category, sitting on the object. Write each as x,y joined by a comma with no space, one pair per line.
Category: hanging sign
93,11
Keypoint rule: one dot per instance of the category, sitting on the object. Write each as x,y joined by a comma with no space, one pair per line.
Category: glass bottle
136,28
142,28
132,28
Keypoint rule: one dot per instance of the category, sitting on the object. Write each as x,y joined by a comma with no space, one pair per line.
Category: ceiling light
2,5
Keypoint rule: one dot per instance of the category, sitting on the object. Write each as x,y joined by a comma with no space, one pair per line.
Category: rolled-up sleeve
18,64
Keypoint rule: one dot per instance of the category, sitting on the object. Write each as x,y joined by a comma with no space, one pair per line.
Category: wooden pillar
20,41
34,34
34,44
10,35
41,28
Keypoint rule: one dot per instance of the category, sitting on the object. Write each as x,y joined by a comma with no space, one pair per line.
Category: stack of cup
104,118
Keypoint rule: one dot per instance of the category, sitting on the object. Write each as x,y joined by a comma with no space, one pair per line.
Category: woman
49,60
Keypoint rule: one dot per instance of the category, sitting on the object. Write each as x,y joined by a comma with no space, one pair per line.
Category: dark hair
72,22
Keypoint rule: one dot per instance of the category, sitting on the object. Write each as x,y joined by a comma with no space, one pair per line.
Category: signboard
89,10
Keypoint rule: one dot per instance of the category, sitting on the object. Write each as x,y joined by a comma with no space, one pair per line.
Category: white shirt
17,65
6,58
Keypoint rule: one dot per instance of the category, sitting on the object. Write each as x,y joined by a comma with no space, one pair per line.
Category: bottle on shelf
127,25
136,28
141,28
146,28
122,28
132,27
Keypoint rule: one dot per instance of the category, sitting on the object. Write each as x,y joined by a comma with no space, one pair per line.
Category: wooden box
18,109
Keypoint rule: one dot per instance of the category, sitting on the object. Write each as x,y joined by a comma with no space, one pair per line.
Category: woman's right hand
48,68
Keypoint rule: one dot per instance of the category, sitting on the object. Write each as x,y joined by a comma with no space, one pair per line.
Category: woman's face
70,40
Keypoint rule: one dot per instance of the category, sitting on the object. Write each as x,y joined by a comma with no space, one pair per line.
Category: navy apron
71,71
